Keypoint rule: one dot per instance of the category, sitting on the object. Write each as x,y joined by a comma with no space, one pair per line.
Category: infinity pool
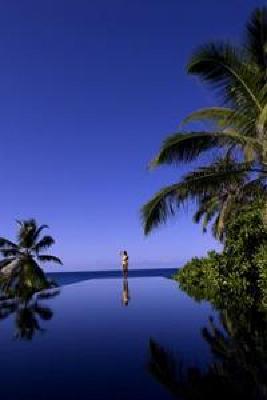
93,341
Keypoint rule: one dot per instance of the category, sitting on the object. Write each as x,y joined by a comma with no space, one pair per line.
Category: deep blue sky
88,89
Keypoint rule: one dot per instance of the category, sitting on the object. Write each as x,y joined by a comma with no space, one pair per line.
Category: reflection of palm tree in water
125,292
28,313
240,367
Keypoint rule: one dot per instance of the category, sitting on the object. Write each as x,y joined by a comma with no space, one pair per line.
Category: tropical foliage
20,272
234,140
241,267
234,282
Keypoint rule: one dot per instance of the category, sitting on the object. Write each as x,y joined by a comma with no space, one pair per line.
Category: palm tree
20,272
237,130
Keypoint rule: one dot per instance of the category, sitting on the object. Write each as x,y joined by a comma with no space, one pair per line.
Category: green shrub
240,270
260,261
199,276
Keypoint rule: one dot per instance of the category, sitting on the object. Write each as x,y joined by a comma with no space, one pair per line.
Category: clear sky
88,90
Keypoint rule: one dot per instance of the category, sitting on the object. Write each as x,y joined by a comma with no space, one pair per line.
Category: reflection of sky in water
95,346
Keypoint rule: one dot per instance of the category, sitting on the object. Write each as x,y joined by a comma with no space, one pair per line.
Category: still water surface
94,342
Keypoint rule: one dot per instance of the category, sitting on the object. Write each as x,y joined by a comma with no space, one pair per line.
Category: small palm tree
20,271
237,130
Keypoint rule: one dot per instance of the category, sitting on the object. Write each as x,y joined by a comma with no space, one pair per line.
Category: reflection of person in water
125,263
125,292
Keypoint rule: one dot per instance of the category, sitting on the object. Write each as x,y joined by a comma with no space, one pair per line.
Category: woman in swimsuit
125,263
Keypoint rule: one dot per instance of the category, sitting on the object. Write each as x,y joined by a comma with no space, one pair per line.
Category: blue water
94,346
64,278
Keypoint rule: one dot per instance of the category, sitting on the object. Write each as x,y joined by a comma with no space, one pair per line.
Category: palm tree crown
20,271
237,131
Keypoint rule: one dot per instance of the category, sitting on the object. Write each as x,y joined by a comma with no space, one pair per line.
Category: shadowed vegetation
238,344
238,370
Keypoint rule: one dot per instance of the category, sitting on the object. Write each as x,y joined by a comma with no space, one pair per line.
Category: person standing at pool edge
125,263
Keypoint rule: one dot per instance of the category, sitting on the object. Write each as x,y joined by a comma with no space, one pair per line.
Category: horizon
112,268
88,92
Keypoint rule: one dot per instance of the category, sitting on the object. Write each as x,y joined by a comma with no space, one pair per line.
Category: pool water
94,343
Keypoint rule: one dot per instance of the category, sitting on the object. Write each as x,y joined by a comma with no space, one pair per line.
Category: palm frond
256,37
161,206
186,147
225,119
39,231
44,243
7,243
219,115
207,180
208,207
48,258
10,252
261,122
224,67
209,216
197,185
